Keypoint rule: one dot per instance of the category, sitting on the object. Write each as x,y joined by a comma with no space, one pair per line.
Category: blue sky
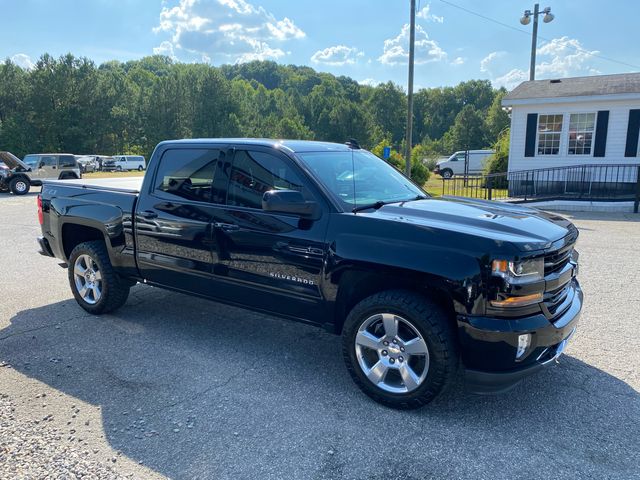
366,40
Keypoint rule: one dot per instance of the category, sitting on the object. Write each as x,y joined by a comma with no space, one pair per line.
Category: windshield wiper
381,203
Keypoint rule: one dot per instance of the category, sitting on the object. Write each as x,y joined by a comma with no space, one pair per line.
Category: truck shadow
195,389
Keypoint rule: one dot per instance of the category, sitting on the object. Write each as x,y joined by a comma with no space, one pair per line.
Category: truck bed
119,184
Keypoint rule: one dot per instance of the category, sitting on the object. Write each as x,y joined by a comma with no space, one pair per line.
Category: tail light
40,215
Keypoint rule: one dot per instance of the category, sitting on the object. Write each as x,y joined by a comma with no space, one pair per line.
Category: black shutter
602,125
631,150
530,138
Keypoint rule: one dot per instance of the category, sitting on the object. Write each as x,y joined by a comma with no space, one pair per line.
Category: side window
67,161
254,173
460,157
48,161
187,173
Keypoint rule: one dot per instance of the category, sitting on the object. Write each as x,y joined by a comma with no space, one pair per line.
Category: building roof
292,145
619,84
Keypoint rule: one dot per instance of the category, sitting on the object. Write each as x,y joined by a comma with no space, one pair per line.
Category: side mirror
290,201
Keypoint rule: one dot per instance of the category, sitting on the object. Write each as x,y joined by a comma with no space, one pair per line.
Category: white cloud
225,30
338,55
369,81
485,63
165,48
511,79
560,57
458,61
428,16
23,61
396,50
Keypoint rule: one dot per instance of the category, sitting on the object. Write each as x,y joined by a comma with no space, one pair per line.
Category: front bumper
489,346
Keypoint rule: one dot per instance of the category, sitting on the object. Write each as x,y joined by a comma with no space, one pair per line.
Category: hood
527,228
13,162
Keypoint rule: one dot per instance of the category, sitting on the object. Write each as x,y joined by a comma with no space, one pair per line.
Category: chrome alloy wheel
88,279
21,186
392,353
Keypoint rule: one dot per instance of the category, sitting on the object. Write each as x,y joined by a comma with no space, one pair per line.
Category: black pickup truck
331,235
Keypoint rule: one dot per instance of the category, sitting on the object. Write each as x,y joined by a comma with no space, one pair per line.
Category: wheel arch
73,234
357,283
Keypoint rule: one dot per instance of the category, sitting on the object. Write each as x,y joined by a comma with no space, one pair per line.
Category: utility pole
412,38
534,43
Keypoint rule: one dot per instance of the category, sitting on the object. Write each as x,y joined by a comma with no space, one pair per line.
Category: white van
454,165
121,163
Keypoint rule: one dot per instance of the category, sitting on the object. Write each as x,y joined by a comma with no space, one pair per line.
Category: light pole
526,18
412,38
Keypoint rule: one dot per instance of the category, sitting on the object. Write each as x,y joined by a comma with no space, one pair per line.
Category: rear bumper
489,346
45,248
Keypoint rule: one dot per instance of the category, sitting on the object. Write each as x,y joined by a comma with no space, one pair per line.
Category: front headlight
524,271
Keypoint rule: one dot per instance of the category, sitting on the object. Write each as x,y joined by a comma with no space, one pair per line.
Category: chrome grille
553,299
554,262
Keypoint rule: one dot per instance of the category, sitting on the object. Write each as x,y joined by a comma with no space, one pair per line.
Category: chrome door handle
149,214
227,227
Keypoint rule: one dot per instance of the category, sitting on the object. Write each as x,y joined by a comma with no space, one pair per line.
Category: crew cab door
173,220
272,261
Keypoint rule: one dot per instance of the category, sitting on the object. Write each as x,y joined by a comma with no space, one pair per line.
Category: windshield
31,161
359,178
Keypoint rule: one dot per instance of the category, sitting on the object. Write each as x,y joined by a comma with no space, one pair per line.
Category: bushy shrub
499,161
419,171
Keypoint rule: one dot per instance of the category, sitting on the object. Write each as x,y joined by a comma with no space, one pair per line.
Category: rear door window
187,173
66,161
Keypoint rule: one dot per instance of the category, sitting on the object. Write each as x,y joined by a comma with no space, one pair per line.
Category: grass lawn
473,190
134,173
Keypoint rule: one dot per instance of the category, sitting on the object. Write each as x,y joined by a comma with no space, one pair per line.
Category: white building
575,121
589,124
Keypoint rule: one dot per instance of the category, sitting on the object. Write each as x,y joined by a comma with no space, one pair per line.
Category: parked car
122,163
331,235
87,163
4,173
36,168
455,164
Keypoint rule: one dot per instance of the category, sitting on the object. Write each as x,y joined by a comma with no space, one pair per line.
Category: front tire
95,285
399,348
19,186
447,173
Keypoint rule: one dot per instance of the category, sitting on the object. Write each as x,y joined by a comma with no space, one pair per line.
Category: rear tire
417,362
95,285
140,168
19,186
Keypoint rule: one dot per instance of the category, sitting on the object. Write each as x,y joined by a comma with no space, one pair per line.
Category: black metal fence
579,182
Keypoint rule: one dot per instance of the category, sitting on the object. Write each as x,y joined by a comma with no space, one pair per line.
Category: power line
526,32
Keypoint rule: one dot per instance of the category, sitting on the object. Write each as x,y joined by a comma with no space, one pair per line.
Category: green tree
467,132
497,119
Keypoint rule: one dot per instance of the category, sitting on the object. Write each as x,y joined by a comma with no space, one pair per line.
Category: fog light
524,341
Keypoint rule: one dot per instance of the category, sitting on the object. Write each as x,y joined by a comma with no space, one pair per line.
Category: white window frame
593,137
562,129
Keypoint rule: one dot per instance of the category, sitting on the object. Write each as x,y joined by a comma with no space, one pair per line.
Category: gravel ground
34,449
179,387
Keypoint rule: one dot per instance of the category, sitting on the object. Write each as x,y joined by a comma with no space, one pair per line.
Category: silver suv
35,168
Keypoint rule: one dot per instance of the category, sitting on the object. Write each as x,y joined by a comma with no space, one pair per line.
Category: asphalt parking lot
174,386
